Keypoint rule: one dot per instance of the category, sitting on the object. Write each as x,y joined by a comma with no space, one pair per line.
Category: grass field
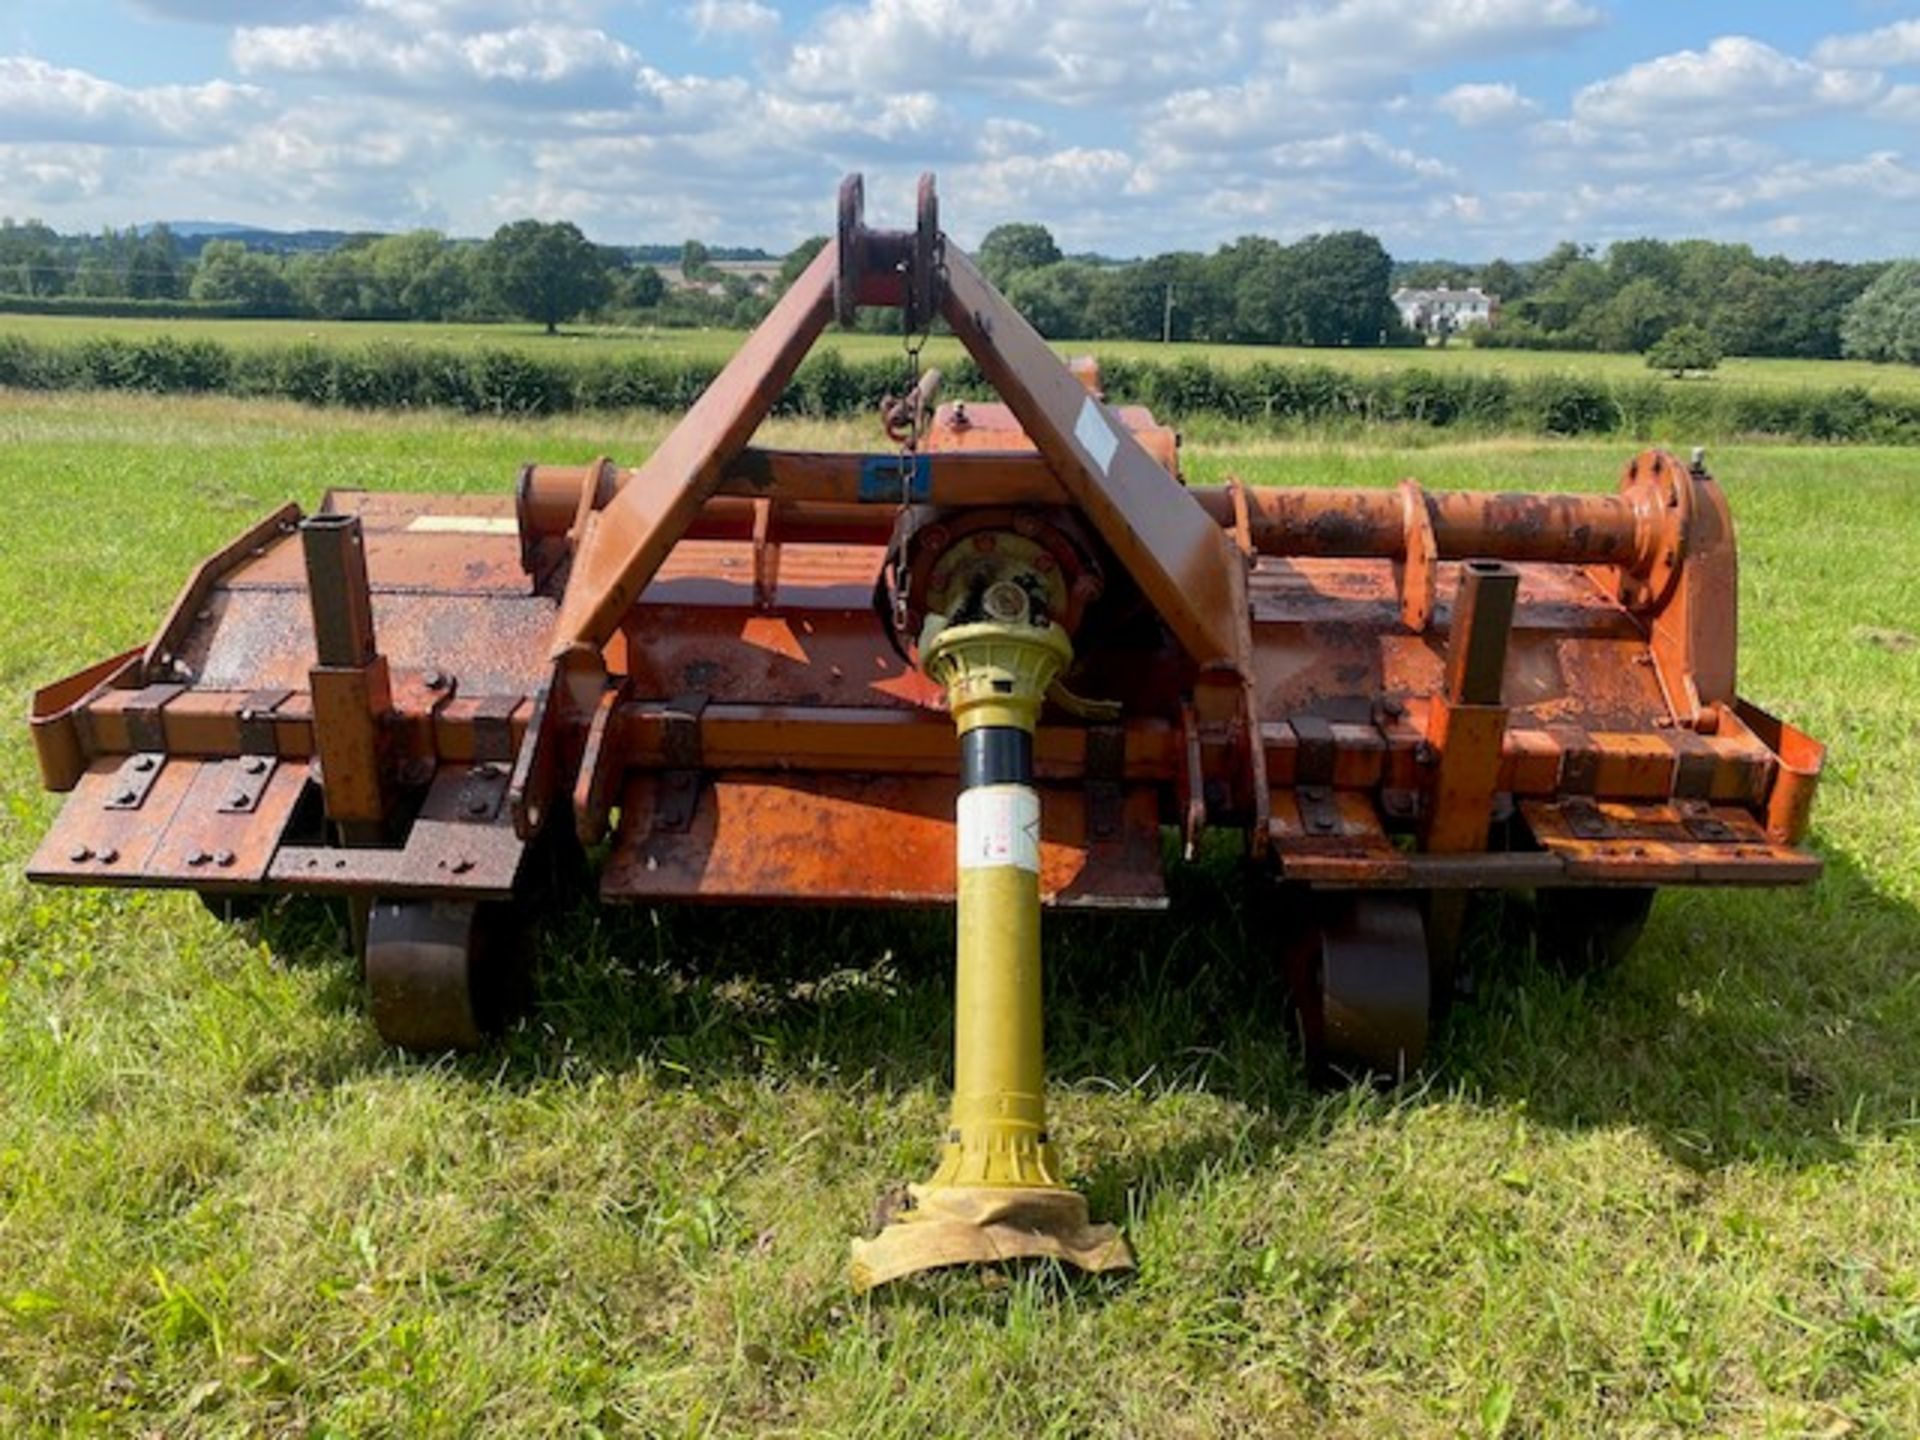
718,344
1683,1197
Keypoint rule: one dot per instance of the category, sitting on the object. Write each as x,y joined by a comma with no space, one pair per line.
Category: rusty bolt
435,680
143,763
254,765
223,858
108,856
79,853
196,856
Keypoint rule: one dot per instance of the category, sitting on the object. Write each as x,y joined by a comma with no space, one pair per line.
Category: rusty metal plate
1617,842
209,846
136,778
822,657
844,839
263,639
462,843
1329,641
93,843
1325,835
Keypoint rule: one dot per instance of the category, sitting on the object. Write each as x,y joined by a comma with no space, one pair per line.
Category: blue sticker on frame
896,479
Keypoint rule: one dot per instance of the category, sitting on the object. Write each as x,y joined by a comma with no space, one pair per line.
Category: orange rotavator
986,666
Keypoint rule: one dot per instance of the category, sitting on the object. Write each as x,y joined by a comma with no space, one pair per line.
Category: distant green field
713,344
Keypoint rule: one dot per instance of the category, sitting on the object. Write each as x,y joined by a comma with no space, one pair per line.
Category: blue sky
1465,128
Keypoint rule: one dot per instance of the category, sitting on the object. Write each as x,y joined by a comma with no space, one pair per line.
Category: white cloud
540,62
1900,104
1895,44
1058,51
730,19
42,102
1209,120
1735,81
60,175
1361,46
1475,105
233,12
326,163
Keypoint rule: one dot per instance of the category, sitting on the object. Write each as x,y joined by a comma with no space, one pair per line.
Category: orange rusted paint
737,628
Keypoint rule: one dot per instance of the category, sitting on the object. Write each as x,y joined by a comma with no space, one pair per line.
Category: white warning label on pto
999,825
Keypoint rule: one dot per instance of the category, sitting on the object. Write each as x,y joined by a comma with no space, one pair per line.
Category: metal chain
910,432
913,344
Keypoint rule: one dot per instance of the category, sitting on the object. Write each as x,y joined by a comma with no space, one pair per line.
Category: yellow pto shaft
997,1193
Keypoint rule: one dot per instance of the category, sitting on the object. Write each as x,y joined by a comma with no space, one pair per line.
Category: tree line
1634,293
1325,290
547,272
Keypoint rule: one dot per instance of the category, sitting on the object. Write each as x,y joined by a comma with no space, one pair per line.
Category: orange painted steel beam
817,496
1173,550
624,542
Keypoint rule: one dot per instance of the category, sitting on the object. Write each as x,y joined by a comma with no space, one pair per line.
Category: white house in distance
1445,312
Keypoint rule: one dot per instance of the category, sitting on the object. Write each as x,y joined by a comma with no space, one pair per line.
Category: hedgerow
497,381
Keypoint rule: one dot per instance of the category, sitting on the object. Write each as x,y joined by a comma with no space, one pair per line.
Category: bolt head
196,857
223,858
143,763
435,680
108,855
462,865
477,805
79,853
255,765
125,795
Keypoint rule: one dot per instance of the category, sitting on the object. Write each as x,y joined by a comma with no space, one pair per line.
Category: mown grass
716,345
1682,1197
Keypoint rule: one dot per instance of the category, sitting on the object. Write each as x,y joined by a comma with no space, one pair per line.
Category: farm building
1445,312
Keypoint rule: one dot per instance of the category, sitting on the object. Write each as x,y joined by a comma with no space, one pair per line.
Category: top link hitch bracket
895,269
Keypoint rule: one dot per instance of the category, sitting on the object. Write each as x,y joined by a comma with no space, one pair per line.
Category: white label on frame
1093,432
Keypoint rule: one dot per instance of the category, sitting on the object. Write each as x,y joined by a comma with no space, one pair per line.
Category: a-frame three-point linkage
1183,562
